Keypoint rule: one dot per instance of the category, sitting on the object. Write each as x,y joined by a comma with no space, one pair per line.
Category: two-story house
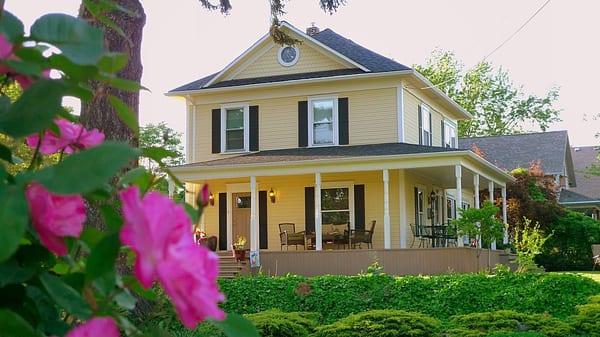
325,132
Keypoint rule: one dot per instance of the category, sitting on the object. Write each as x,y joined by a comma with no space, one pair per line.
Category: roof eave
427,85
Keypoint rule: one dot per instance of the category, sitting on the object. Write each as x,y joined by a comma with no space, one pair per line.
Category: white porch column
171,187
458,175
491,190
477,201
254,245
318,224
402,211
504,216
387,230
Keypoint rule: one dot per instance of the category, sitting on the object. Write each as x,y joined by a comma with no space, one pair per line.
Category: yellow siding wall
310,60
372,115
411,118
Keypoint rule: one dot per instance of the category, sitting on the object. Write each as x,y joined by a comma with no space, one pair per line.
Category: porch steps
228,266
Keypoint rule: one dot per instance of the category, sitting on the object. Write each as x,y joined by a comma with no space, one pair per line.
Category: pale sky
559,47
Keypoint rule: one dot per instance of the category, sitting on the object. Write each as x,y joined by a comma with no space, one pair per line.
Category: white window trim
452,200
246,107
426,126
288,64
423,190
343,184
450,124
313,99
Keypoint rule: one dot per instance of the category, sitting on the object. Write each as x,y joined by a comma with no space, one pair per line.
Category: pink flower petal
96,327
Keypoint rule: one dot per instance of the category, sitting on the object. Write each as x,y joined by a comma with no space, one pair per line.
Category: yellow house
325,134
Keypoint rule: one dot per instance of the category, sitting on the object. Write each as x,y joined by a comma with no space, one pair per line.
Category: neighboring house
586,196
321,133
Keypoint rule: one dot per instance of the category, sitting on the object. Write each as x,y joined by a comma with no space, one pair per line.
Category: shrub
381,323
275,323
587,320
440,296
480,324
528,244
515,334
570,246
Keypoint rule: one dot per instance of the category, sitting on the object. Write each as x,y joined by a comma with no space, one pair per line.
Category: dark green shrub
507,321
587,320
381,323
440,296
275,323
570,246
515,334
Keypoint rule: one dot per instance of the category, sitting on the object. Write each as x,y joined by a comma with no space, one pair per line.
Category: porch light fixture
272,196
211,199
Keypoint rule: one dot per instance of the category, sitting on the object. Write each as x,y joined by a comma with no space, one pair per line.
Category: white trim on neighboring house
400,111
246,107
335,120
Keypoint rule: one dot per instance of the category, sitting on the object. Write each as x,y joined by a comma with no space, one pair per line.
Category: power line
503,42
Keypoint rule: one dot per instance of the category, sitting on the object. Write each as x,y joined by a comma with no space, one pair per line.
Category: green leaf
122,84
79,41
12,273
236,326
65,296
125,300
88,170
191,212
6,154
139,177
74,71
25,67
14,217
158,153
103,256
111,216
34,110
14,325
91,236
113,62
126,115
11,26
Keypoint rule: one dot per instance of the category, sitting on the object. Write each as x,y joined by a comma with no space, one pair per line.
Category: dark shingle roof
316,153
587,185
570,196
514,151
359,54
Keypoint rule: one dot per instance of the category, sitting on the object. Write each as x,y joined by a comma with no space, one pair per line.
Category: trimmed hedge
381,323
335,297
275,323
587,320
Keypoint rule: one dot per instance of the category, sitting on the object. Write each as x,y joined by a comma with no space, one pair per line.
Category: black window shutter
216,131
420,126
263,238
303,124
443,134
222,221
309,209
359,206
430,131
344,136
253,116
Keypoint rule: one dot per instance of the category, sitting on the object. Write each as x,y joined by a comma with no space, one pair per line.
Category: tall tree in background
498,106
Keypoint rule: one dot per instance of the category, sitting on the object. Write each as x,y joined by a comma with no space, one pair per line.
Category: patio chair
360,236
418,233
288,235
596,255
343,238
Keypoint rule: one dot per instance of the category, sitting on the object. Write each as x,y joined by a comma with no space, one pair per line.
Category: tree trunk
98,113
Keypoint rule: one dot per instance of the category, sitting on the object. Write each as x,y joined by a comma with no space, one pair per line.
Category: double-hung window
450,208
323,121
336,205
425,126
234,133
449,135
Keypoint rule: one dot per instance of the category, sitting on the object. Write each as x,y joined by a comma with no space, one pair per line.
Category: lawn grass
594,275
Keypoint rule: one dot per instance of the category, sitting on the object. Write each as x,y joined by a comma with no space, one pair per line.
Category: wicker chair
360,236
288,235
418,233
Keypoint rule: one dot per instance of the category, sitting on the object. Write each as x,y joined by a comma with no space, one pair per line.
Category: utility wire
503,42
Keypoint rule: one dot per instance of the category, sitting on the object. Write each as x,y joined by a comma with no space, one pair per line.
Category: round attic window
288,55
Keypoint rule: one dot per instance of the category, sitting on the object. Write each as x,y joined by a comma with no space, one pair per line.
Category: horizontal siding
411,118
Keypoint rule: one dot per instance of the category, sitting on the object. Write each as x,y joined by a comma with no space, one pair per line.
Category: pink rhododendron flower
203,196
55,216
72,137
153,226
189,277
5,47
6,53
96,327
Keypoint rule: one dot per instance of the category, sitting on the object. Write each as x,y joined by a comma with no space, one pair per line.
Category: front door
240,217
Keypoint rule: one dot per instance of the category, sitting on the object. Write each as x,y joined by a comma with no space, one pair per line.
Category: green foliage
381,323
480,222
515,334
570,246
528,244
480,324
499,107
587,320
275,323
335,297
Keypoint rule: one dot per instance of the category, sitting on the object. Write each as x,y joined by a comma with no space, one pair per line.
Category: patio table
310,239
438,235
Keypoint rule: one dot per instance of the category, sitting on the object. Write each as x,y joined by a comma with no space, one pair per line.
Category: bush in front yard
482,324
442,296
382,323
275,323
515,334
587,320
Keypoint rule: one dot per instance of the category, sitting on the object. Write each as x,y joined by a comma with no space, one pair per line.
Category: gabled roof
364,60
570,197
587,185
509,152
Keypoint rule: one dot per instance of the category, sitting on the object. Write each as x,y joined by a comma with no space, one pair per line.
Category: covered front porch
376,202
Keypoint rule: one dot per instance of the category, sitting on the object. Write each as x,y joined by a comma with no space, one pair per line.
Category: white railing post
387,230
458,175
318,224
402,210
254,244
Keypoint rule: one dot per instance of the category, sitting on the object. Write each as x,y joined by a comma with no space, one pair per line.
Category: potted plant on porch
239,250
